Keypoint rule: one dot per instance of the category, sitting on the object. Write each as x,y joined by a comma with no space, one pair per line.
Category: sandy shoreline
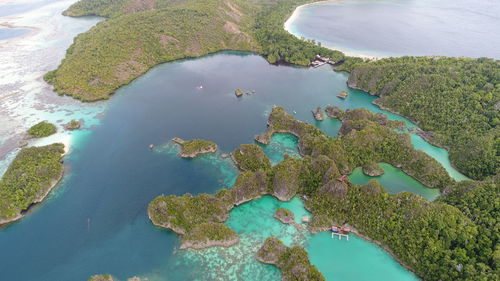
288,23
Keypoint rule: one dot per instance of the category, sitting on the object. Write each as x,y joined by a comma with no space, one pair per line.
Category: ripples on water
407,27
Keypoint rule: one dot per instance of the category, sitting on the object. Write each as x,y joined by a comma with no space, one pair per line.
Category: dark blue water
96,221
7,33
404,27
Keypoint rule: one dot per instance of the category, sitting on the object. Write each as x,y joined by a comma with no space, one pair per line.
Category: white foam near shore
25,99
288,26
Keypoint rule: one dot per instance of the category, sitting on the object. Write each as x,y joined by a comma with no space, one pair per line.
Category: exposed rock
286,179
335,189
372,169
293,262
238,92
250,157
334,112
193,148
73,125
209,235
285,216
101,277
373,187
271,251
343,94
318,114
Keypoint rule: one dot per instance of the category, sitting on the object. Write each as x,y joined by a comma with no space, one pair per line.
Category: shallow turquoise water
96,220
354,260
280,145
254,222
404,27
394,180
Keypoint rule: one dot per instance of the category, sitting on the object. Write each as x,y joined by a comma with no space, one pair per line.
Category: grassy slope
141,34
120,49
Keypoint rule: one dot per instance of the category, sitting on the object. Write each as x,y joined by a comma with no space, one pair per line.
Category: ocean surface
403,27
95,221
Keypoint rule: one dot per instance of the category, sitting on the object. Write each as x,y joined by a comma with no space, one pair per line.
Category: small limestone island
372,169
107,277
239,92
293,262
193,148
285,216
343,94
318,114
73,125
42,129
29,179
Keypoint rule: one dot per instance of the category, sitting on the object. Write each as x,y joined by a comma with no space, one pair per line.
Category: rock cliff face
286,180
318,114
193,148
285,216
372,169
293,262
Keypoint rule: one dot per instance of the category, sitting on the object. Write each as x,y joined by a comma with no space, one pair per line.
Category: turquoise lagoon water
394,181
403,27
96,220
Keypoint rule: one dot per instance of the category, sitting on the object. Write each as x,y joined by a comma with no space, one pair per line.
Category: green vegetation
42,129
365,137
455,100
72,125
193,148
480,202
141,34
29,178
280,46
250,157
208,235
284,215
372,169
101,277
134,39
293,262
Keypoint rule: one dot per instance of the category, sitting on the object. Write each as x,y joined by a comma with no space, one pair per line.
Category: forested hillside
457,100
141,34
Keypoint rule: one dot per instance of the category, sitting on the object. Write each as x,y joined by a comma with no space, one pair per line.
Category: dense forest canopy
456,99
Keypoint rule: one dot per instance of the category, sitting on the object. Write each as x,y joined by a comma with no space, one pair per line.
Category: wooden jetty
340,232
321,61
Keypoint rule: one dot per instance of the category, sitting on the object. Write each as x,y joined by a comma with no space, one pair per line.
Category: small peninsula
29,179
293,262
193,148
42,129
